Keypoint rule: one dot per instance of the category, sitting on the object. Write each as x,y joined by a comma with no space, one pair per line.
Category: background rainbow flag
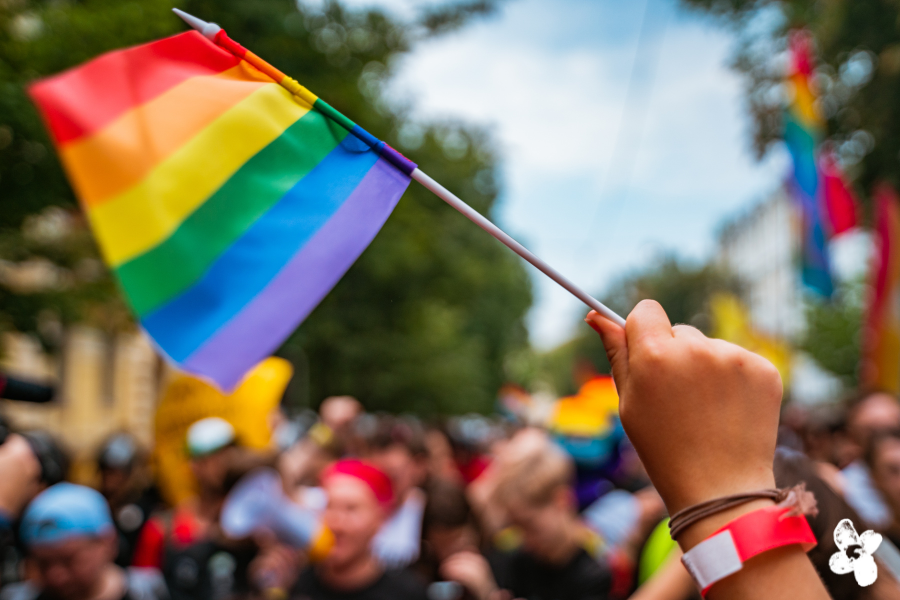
227,207
881,335
827,205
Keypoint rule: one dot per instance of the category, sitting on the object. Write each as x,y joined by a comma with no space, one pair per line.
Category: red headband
372,476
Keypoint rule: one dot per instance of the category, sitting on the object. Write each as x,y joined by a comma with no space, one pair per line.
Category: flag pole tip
209,30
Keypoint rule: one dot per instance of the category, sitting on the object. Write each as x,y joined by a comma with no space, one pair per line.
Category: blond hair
533,470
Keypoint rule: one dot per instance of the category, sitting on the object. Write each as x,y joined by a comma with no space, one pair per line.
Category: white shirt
398,541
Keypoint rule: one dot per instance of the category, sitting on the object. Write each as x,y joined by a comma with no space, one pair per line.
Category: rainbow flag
827,205
587,424
881,334
226,206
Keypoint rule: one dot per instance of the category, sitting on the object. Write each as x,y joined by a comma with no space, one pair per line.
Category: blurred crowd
352,505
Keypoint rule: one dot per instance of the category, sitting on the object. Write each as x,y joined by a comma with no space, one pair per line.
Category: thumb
616,344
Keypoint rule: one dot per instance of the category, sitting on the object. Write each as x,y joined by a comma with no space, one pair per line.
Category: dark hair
875,443
399,431
447,506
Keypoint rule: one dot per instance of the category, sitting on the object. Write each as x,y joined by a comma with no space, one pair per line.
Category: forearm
781,574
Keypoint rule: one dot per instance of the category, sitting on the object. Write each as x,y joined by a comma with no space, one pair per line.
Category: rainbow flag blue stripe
227,206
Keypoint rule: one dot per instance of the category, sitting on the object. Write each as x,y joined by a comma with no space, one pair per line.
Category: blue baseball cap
62,512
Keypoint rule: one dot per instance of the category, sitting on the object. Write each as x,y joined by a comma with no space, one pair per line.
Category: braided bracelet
798,498
725,551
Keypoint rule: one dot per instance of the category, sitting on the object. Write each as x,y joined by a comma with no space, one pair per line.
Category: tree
682,288
833,335
858,82
425,318
858,76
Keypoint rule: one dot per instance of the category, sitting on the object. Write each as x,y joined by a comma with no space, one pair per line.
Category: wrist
704,528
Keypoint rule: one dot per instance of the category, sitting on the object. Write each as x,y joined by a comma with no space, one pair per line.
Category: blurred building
104,384
761,248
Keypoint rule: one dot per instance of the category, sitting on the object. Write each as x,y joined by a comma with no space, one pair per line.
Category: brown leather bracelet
802,501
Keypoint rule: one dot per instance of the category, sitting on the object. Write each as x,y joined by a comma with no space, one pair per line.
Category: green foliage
834,332
858,80
39,39
425,319
683,289
858,76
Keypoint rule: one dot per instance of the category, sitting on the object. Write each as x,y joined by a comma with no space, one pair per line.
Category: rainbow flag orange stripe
227,205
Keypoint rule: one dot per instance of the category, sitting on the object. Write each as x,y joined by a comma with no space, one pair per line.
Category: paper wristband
725,552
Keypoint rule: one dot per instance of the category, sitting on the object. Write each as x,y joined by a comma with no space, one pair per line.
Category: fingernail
593,325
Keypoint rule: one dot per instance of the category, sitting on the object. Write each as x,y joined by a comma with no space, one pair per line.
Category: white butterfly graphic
855,553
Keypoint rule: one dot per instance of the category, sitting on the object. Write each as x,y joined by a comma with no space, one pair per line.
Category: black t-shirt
582,578
207,570
392,585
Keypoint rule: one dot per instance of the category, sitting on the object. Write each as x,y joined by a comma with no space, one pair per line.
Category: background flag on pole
881,341
827,205
227,207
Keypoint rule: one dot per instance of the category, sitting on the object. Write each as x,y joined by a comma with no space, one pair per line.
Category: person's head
535,488
209,442
359,495
116,462
448,525
337,412
398,449
871,413
70,540
883,458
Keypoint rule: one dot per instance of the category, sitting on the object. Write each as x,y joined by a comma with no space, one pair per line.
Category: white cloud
552,86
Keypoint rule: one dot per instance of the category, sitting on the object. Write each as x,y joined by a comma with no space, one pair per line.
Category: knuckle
653,354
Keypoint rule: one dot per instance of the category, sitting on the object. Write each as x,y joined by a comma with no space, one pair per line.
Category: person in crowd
197,559
359,498
866,416
399,451
124,483
71,543
25,451
536,490
20,481
338,414
301,466
529,485
441,464
449,526
883,460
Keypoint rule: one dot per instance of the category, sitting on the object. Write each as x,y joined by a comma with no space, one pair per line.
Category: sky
622,133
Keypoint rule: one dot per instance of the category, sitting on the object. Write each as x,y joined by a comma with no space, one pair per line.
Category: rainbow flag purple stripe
227,206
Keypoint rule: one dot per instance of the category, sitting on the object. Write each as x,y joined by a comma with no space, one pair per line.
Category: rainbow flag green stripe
227,206
160,274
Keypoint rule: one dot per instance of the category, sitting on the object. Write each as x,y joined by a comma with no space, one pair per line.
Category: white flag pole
211,30
479,219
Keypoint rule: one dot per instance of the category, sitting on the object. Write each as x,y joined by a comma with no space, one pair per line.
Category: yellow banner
731,323
188,399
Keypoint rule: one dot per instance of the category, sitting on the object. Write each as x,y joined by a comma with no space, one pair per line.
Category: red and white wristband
725,552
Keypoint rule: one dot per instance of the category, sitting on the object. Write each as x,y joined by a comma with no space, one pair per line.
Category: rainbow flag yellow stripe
219,197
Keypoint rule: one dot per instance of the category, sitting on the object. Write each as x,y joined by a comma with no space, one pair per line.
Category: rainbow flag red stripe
227,206
881,335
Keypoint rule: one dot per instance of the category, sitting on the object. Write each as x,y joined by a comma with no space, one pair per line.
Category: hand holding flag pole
218,36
